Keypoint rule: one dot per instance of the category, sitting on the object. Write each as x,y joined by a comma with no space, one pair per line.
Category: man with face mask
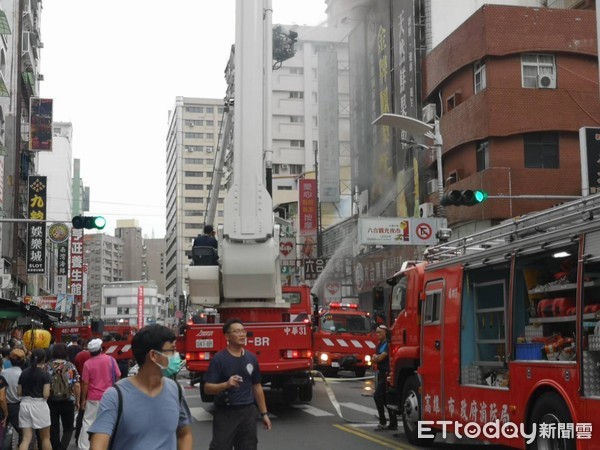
154,413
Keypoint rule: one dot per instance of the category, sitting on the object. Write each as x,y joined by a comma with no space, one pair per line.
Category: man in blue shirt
382,359
154,413
205,240
234,378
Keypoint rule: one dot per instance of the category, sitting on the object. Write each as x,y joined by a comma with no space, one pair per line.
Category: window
193,148
209,109
192,123
433,304
315,121
284,188
210,123
297,119
296,143
276,168
192,160
193,226
111,301
296,94
220,110
479,76
533,65
193,200
297,70
208,149
193,173
194,109
483,155
210,135
194,135
121,310
296,169
193,212
541,150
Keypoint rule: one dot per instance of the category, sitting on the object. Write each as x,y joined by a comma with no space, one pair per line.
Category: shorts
34,413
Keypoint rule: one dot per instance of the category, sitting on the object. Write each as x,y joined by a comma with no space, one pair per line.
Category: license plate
204,343
335,364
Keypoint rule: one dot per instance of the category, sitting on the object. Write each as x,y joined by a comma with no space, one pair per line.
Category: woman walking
34,390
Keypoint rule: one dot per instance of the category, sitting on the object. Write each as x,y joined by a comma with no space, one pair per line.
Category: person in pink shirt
99,373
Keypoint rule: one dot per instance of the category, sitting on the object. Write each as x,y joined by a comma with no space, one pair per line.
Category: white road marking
313,411
361,408
200,414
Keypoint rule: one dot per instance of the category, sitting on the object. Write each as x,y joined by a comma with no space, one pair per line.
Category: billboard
40,120
36,232
308,207
398,230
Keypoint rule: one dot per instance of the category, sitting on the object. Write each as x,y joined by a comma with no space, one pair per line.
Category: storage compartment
529,351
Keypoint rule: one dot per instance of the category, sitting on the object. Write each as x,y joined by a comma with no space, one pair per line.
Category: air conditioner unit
432,186
6,281
546,82
429,113
426,210
285,167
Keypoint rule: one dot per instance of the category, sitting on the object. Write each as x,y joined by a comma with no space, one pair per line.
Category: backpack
59,383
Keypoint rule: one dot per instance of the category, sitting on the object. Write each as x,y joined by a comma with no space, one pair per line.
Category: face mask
173,366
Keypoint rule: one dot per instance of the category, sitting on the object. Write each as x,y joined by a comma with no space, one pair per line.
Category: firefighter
382,359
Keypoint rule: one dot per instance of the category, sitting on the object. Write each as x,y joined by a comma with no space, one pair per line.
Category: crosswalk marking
200,414
313,411
361,408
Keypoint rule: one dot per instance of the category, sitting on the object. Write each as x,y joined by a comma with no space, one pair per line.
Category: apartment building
103,255
192,138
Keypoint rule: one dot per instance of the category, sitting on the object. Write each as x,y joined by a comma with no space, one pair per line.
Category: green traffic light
480,196
99,222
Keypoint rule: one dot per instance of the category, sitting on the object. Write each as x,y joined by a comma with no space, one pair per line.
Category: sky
114,68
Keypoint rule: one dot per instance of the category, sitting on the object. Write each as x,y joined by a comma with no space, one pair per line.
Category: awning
4,27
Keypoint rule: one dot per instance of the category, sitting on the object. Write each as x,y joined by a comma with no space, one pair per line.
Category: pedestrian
154,413
79,361
99,373
64,397
234,378
5,357
207,239
3,408
11,375
34,390
202,256
74,347
382,359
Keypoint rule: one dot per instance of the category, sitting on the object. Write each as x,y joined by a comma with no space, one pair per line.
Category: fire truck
246,283
117,338
503,327
343,339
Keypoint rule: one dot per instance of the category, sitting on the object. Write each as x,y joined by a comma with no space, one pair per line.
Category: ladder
567,217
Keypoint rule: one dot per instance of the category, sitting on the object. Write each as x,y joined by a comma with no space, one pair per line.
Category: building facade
155,262
134,251
192,138
121,302
103,255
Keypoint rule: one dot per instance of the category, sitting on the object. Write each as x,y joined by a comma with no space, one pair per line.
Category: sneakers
384,427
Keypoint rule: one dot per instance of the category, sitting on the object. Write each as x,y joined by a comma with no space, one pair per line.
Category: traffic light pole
437,143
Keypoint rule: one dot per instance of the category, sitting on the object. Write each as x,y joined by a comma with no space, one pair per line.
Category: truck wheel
305,393
206,398
360,371
550,408
410,409
289,394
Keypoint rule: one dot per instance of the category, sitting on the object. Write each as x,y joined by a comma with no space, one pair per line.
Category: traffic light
463,198
89,222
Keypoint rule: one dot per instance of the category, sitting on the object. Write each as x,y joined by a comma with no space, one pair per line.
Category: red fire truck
281,339
117,338
503,328
343,339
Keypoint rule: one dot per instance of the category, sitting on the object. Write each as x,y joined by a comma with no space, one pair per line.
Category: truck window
399,295
293,298
433,303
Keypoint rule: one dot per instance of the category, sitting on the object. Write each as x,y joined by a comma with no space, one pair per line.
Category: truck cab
343,339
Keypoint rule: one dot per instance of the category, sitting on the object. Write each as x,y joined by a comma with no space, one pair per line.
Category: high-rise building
104,256
80,193
155,262
121,301
192,138
134,264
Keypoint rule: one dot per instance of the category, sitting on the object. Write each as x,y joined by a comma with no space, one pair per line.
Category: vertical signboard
308,207
40,119
76,270
62,269
36,232
329,145
140,307
84,294
589,145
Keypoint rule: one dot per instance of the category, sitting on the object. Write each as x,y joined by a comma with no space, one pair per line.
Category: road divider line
376,439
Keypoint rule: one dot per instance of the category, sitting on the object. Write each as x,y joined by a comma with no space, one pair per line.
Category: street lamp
416,127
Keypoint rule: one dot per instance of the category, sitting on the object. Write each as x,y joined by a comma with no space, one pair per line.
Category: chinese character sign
36,232
40,118
308,207
76,267
63,259
140,307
